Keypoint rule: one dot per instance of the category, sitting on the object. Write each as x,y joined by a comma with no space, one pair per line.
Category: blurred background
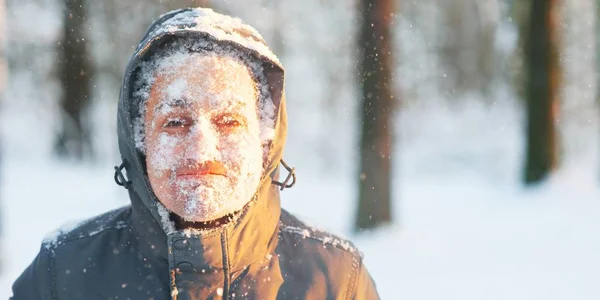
455,142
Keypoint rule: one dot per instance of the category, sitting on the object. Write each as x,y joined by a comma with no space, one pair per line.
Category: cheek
240,148
165,152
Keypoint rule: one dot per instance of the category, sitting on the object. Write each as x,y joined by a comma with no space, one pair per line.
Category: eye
229,121
176,123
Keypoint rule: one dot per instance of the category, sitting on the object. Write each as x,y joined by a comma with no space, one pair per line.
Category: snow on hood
220,27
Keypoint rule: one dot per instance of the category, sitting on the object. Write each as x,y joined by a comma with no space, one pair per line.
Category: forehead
202,79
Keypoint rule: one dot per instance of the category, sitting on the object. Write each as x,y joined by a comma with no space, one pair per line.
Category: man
202,125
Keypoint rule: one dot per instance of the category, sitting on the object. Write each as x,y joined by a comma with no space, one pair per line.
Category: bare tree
3,62
187,3
543,86
597,31
201,3
467,44
3,79
375,79
75,68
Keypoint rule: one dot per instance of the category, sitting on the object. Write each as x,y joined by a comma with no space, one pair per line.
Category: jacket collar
251,238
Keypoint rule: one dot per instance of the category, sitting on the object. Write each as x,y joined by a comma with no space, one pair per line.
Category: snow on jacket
127,253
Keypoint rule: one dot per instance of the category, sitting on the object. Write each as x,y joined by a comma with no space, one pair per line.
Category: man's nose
202,142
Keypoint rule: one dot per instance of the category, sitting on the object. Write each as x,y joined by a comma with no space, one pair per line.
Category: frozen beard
204,153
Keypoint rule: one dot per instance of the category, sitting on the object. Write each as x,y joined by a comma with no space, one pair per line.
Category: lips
198,174
206,169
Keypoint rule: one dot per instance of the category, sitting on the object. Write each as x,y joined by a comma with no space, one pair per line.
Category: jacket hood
254,229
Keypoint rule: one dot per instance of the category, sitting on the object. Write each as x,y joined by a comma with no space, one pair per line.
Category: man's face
203,148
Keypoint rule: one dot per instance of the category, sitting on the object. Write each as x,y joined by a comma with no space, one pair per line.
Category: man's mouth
198,174
207,169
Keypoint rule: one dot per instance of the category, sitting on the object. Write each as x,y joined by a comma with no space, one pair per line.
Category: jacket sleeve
365,288
35,282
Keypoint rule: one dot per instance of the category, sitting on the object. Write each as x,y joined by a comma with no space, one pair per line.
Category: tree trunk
597,52
75,69
201,3
189,3
467,49
375,79
3,87
543,85
177,4
3,61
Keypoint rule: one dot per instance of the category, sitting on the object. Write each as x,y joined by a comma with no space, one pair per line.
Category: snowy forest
454,142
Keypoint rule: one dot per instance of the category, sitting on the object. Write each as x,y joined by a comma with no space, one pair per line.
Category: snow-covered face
203,147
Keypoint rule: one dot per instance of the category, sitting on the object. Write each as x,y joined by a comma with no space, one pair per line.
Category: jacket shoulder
307,252
293,228
35,283
116,219
41,280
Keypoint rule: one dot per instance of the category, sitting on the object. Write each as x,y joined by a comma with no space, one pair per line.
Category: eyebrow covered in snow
164,106
174,103
164,62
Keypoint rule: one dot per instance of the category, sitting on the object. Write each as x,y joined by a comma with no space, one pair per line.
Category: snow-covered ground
462,230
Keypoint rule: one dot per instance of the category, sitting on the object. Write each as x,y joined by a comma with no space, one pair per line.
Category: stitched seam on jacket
51,263
86,235
310,234
235,283
224,246
356,264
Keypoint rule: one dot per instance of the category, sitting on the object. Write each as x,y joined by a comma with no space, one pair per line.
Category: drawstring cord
291,175
120,178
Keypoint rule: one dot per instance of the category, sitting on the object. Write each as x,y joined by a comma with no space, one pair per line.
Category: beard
210,197
204,182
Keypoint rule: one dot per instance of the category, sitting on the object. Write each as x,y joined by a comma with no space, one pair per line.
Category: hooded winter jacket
264,254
